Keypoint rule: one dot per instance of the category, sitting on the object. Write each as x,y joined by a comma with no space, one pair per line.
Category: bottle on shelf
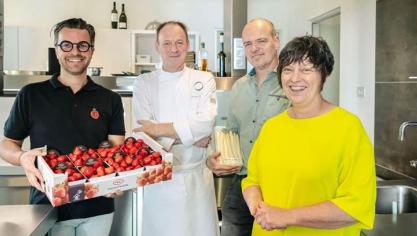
123,18
203,58
221,58
114,16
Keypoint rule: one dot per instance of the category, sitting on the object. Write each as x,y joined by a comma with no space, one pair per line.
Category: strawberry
78,162
147,160
109,170
57,201
118,159
77,151
59,192
69,171
129,159
77,176
133,150
123,164
135,162
61,158
143,152
90,151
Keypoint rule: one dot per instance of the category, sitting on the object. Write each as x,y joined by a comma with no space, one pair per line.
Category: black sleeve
17,125
117,125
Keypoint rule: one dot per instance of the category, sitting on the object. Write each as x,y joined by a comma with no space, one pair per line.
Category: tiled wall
395,93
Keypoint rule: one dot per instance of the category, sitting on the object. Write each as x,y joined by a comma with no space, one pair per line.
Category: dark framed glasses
67,46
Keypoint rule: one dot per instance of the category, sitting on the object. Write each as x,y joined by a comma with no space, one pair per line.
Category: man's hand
270,218
148,127
214,165
27,161
116,194
203,143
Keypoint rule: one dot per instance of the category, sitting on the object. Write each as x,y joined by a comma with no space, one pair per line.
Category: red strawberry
61,158
123,164
78,162
135,163
128,159
77,176
147,160
57,201
118,158
90,151
109,170
59,192
77,151
143,152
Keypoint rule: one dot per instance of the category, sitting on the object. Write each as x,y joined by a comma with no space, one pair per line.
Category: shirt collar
57,84
271,75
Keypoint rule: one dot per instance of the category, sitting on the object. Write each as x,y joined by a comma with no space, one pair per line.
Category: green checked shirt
251,106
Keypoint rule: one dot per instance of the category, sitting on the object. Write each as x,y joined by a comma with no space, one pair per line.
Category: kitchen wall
292,18
203,16
357,43
396,94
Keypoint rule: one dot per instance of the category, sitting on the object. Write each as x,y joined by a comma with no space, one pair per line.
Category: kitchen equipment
94,71
143,58
53,64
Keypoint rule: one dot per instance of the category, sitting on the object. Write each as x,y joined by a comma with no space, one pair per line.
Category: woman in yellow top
311,170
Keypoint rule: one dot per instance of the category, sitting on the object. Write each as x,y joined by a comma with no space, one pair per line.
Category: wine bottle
203,56
221,57
123,18
114,17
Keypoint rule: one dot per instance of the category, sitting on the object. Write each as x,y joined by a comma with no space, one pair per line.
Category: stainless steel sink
401,197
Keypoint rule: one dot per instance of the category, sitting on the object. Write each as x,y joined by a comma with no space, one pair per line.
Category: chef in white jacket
176,106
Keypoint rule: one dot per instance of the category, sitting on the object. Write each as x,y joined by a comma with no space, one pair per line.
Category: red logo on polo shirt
94,114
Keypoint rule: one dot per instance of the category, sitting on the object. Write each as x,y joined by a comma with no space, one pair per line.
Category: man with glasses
255,97
65,111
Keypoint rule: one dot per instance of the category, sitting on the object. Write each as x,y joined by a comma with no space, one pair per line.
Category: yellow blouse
300,162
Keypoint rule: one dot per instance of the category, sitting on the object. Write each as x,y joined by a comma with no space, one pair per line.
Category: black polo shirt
51,114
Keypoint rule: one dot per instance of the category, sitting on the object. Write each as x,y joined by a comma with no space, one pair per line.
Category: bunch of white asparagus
227,143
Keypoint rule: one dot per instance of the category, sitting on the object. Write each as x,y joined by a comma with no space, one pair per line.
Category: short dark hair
179,23
74,23
313,49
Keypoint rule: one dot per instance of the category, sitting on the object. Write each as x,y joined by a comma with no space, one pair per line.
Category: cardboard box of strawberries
87,173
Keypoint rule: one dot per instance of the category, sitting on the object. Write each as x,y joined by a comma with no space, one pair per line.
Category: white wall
357,43
199,15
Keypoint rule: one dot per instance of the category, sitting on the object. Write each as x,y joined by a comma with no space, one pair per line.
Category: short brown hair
314,49
180,24
74,23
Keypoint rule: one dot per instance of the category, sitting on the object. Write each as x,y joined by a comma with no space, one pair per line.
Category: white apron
184,206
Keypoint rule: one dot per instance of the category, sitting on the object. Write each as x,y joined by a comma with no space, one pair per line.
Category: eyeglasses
67,46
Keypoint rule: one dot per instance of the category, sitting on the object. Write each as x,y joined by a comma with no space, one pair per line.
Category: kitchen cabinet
112,51
396,46
26,48
144,57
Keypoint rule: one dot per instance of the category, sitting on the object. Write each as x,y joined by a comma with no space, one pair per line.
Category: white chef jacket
185,205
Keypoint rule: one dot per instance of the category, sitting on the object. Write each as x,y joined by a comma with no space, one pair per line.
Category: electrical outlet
360,92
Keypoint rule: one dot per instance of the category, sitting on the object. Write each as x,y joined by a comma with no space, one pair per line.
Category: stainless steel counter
122,85
391,225
404,224
23,220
